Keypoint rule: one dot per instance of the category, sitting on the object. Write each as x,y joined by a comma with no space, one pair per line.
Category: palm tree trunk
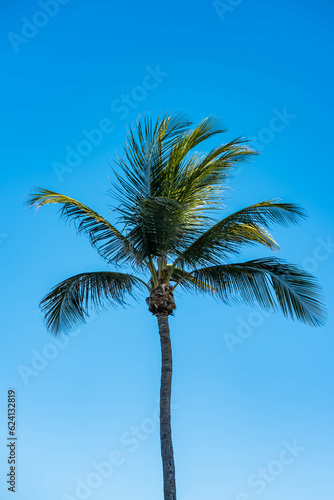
165,398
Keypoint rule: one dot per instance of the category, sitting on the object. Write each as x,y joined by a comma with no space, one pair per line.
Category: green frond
187,281
246,226
270,212
147,149
206,129
199,179
67,305
270,283
109,242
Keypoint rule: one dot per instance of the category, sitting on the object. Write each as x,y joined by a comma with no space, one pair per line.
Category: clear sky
253,417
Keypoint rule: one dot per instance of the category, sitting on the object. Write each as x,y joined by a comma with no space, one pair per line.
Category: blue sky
84,73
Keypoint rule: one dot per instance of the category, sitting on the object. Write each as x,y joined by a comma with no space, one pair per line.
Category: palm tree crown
166,192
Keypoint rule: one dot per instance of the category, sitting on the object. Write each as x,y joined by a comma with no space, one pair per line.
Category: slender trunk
165,397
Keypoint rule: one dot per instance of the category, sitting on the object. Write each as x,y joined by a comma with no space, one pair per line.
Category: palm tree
167,193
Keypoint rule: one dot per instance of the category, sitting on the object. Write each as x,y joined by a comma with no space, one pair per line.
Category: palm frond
147,148
68,304
206,129
111,244
187,280
270,283
246,226
199,179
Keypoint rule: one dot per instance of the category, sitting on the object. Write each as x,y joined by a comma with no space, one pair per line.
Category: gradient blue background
234,410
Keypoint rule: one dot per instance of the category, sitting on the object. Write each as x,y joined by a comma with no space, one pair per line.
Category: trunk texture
165,410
